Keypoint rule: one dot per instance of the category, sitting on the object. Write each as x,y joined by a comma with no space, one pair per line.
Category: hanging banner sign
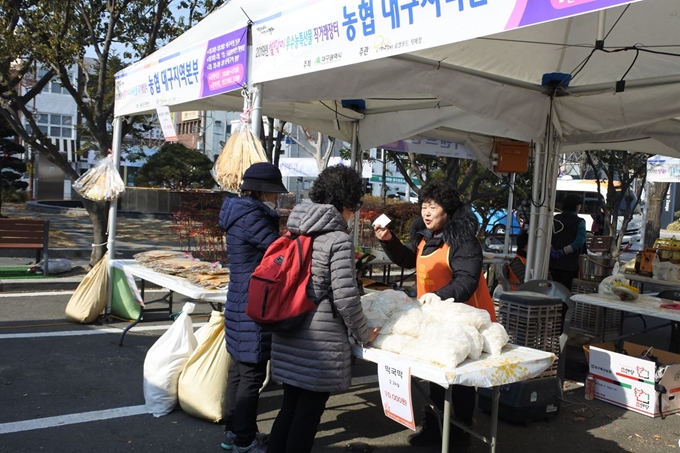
394,380
307,167
205,69
167,125
431,147
663,169
313,35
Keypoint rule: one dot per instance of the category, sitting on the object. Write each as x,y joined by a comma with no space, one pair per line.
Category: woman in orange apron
447,257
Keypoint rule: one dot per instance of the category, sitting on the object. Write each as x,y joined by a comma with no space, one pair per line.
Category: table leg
446,422
495,399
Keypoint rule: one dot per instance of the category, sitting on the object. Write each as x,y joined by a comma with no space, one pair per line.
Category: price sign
167,125
394,379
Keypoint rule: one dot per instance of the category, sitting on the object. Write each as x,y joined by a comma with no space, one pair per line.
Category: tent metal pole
256,114
509,214
113,211
354,162
601,19
533,219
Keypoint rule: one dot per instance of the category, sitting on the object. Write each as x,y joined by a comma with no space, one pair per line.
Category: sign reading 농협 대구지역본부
394,380
205,69
313,35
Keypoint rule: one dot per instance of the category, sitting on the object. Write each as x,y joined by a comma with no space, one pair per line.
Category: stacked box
629,381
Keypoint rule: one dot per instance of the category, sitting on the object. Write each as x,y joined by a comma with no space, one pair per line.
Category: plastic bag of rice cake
241,151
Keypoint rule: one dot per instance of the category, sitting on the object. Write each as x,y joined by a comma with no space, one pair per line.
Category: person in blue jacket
568,239
251,224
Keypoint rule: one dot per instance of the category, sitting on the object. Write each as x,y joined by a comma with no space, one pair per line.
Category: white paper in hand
382,221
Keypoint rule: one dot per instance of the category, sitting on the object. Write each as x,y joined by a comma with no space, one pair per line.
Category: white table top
643,305
514,364
651,280
177,284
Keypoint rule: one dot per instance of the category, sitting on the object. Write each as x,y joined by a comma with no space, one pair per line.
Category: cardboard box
629,381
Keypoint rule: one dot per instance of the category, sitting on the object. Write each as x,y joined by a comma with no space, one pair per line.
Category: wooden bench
26,234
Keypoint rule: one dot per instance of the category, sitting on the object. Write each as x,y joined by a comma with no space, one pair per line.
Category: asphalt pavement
68,387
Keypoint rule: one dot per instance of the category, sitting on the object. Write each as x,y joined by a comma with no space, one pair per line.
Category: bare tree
44,41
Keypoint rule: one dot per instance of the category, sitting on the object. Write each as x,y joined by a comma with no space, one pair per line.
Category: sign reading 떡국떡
314,35
205,69
394,379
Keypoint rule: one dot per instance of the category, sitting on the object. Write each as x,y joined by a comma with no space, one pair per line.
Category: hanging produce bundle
101,182
241,151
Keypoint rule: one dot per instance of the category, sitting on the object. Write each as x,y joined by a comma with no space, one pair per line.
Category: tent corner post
111,244
256,113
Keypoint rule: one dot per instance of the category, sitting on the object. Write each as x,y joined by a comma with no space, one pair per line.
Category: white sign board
168,127
663,169
307,167
431,147
394,379
205,69
314,35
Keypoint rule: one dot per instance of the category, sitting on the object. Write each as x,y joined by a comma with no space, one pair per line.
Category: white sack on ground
164,362
444,344
202,389
495,338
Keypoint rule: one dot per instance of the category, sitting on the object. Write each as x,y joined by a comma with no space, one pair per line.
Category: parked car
497,222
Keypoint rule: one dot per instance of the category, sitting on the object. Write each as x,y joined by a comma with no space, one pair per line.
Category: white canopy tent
468,92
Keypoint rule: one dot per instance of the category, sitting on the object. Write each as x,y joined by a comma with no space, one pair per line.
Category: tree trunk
655,196
99,215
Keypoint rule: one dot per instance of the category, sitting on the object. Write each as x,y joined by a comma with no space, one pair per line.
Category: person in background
448,259
251,224
568,239
517,266
314,358
523,213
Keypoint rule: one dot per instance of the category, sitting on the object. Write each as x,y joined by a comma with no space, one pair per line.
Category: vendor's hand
556,254
382,234
428,298
373,334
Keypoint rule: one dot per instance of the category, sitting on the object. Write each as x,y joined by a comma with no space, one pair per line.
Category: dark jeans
463,404
298,420
562,276
243,386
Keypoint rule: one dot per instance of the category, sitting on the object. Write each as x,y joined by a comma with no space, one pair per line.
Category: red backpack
277,291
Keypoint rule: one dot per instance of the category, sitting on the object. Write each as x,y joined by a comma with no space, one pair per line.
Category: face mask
270,204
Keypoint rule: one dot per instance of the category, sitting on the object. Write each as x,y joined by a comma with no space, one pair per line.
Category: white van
587,190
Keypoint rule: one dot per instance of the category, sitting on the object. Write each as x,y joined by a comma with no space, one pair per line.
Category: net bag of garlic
241,151
101,182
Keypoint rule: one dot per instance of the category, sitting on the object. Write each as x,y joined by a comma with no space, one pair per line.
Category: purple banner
530,12
226,63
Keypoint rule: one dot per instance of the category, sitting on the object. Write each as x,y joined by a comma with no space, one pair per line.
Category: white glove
429,298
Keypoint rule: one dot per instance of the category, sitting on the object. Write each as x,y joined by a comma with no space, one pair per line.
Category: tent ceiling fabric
489,87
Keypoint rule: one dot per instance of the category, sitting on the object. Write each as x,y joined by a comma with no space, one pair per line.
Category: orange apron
433,272
516,270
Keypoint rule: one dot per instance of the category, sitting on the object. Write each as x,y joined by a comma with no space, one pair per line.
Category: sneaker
228,440
428,432
255,447
229,437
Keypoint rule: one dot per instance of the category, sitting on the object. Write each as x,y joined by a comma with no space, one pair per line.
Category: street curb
48,284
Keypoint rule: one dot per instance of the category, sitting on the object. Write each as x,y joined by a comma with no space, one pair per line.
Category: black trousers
298,420
463,401
243,385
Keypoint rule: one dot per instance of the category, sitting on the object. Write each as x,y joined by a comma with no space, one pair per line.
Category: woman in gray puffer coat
314,358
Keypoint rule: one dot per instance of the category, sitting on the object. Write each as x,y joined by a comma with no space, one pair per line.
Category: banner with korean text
432,147
313,35
663,169
205,69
